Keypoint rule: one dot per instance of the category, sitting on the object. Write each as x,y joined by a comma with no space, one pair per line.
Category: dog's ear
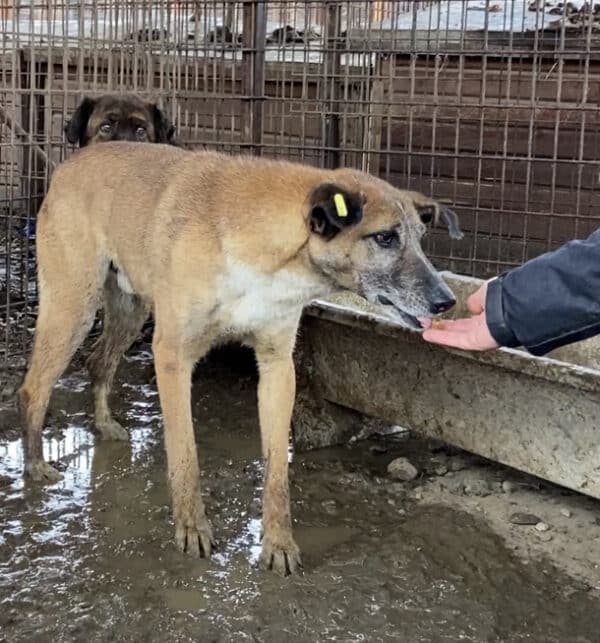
333,208
436,212
165,130
76,128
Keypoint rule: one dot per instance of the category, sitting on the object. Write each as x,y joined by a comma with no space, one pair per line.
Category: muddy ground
438,558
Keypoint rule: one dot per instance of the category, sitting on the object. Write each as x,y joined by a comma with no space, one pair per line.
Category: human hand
468,334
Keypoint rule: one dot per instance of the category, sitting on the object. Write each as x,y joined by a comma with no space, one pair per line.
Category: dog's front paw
41,471
280,553
111,430
193,533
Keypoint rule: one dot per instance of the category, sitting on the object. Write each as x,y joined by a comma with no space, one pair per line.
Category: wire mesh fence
492,107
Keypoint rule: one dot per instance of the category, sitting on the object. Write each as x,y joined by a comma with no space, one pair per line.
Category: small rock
545,537
508,486
402,469
520,518
542,526
442,470
566,513
391,432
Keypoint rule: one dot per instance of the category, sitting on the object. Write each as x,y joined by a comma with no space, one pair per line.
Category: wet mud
92,558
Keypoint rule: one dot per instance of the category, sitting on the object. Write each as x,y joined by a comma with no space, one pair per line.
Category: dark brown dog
116,117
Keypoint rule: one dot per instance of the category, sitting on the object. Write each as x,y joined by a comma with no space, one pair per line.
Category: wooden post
331,75
253,57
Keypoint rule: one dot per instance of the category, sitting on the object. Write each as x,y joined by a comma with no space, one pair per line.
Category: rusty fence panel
492,107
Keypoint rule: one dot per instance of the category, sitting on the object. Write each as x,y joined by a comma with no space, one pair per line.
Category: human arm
548,302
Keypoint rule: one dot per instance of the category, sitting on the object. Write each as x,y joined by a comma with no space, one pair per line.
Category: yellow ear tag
340,205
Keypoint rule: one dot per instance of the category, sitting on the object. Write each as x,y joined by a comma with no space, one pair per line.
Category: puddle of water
92,557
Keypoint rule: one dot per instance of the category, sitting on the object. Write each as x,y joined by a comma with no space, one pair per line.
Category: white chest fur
250,300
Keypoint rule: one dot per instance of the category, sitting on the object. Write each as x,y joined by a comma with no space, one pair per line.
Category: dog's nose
441,305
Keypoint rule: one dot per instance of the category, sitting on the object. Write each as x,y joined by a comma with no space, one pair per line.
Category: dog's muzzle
440,302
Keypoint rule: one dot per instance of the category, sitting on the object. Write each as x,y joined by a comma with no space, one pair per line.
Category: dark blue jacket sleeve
549,301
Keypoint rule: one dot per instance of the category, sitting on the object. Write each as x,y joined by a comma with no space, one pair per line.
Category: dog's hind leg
68,299
124,315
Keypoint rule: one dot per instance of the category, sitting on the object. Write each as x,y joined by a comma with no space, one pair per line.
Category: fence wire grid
491,107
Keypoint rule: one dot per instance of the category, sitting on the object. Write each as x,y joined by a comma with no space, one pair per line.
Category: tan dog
219,247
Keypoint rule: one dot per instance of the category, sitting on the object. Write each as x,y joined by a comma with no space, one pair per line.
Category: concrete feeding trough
538,415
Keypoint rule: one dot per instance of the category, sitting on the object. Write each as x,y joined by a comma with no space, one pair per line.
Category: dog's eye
140,132
387,239
106,128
